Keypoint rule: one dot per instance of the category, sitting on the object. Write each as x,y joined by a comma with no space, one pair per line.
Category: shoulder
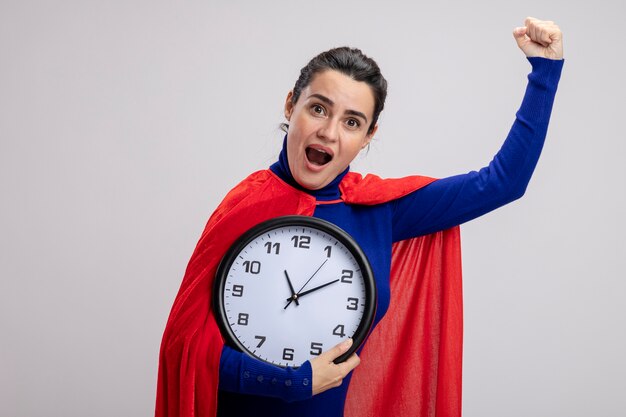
372,189
249,186
251,182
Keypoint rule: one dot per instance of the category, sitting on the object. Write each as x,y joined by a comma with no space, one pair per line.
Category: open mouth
318,156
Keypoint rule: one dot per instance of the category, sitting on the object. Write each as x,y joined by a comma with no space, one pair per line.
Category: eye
353,123
318,110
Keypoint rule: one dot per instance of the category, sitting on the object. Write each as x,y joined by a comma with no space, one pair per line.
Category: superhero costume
432,379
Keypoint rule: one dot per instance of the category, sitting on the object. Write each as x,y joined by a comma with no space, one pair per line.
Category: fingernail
347,343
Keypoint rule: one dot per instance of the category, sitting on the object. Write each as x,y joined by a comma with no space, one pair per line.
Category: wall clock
292,287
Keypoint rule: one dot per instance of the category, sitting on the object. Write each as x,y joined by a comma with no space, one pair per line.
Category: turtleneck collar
281,168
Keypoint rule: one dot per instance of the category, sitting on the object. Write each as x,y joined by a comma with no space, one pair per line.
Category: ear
289,105
370,136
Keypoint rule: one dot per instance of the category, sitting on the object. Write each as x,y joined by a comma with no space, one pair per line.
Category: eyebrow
331,103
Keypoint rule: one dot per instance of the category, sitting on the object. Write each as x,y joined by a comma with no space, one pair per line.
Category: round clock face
293,287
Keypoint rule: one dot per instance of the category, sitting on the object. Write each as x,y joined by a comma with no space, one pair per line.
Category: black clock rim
295,220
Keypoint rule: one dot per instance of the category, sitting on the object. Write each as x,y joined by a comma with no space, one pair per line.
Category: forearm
454,200
246,375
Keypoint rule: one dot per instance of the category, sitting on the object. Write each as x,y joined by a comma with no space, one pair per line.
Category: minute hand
309,280
315,289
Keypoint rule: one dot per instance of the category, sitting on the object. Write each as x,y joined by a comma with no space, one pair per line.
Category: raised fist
541,38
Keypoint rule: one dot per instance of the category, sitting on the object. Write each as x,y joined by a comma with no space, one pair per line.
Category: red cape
411,363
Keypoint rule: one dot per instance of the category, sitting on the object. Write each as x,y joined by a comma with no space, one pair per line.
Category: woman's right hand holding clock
326,373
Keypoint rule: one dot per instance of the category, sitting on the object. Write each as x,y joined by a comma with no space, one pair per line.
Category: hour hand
294,296
319,287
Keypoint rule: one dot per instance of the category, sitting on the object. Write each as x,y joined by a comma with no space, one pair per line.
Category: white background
124,123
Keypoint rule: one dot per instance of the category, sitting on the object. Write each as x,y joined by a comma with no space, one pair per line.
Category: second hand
309,280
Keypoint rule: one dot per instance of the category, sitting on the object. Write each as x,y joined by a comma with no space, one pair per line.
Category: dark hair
351,62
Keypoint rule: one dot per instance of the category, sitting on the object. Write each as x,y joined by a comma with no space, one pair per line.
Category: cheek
303,124
355,147
294,134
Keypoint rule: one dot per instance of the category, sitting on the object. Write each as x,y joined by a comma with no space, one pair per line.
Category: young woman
332,115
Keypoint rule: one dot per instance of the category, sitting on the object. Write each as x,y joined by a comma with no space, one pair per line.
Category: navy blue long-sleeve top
251,387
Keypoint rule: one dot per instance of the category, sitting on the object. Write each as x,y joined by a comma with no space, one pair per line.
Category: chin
312,183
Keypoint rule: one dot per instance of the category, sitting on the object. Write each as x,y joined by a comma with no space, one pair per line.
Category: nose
329,130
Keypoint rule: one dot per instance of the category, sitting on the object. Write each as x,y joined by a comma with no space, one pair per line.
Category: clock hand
316,271
294,296
312,275
314,289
